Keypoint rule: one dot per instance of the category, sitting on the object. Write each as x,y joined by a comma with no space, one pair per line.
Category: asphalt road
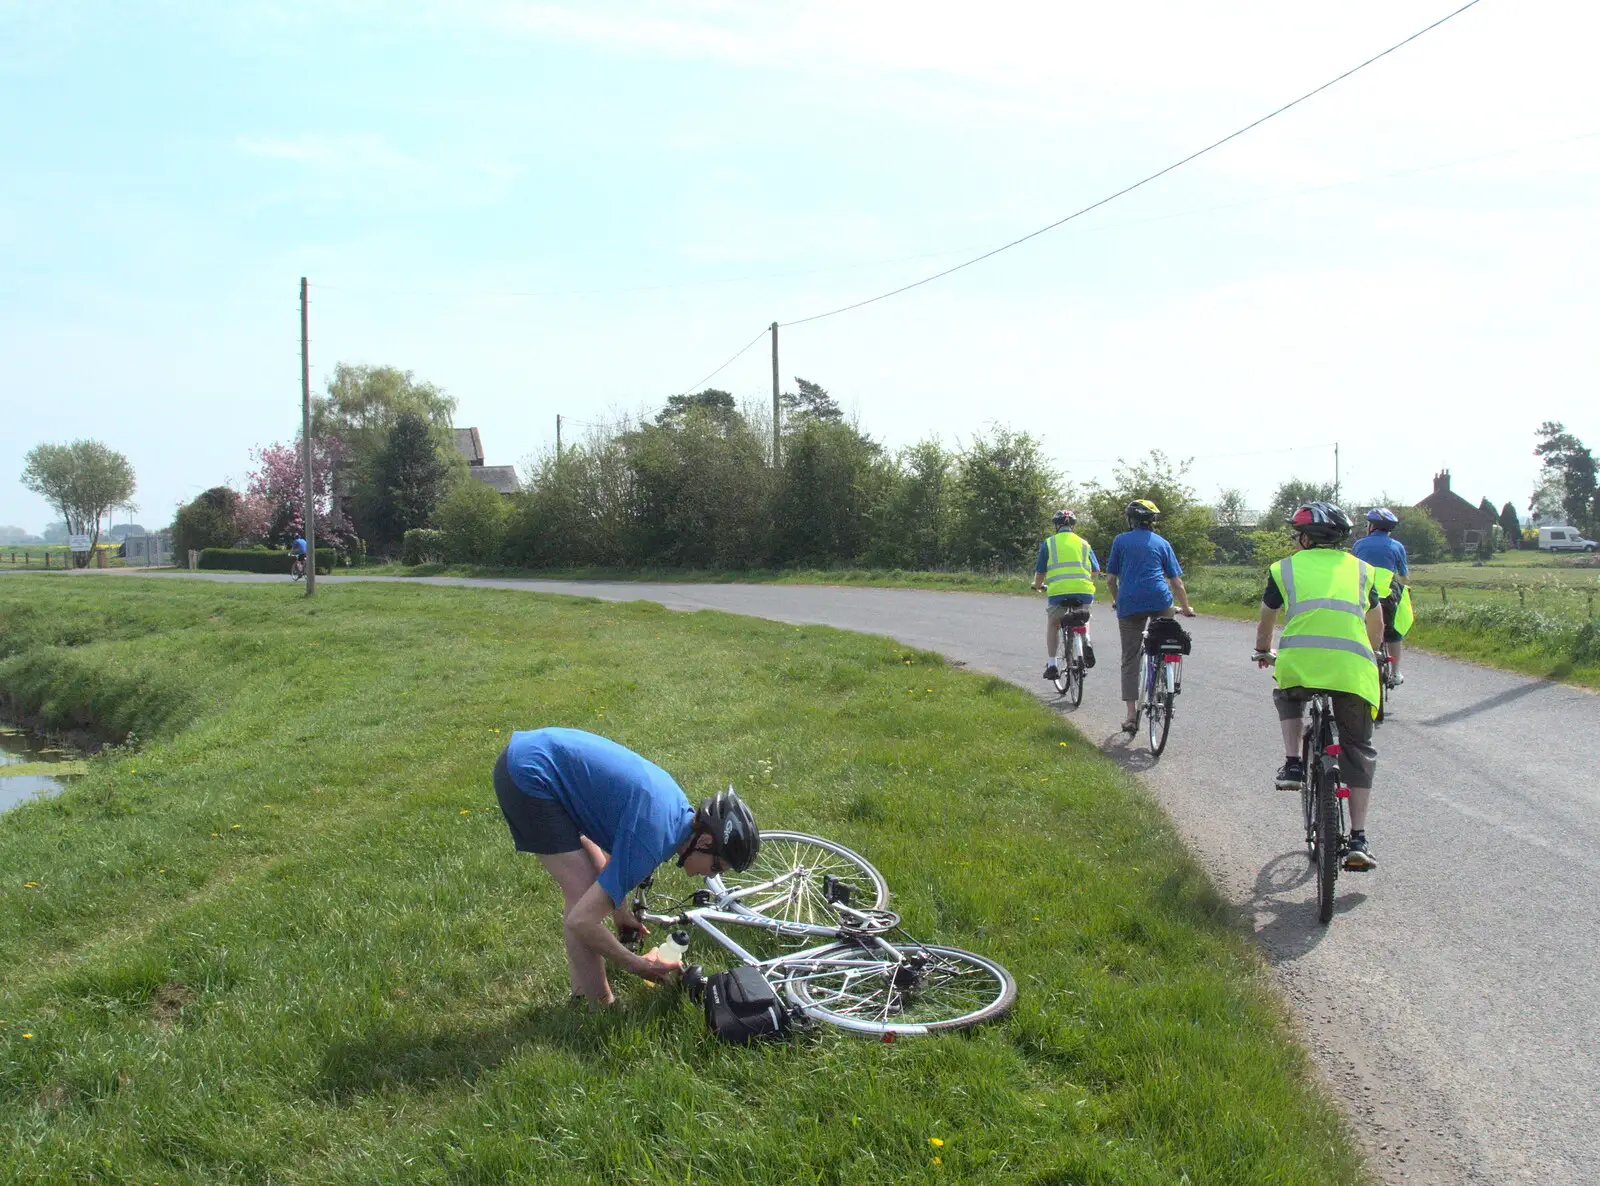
1452,1004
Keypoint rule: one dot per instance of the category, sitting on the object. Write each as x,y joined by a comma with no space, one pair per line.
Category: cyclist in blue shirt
600,818
1065,571
297,550
1142,574
1380,549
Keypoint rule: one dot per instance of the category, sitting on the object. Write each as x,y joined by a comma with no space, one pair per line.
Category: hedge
260,559
422,545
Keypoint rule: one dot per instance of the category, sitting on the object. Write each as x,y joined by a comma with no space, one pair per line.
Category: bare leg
1052,631
1394,656
1293,731
586,970
1359,798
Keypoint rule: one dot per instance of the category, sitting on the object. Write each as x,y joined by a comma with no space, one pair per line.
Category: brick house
1464,525
502,477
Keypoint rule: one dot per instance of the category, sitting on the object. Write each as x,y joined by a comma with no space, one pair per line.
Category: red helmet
1320,522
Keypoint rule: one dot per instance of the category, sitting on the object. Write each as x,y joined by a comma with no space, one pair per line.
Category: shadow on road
1498,700
1284,913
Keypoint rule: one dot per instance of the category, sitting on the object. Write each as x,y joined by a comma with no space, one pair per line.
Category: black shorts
537,825
1389,605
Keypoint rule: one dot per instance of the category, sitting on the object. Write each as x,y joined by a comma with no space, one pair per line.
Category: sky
579,209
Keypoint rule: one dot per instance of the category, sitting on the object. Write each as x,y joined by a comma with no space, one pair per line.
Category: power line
1130,188
763,333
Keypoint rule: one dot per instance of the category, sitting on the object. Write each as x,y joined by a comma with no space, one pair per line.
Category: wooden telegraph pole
777,417
308,506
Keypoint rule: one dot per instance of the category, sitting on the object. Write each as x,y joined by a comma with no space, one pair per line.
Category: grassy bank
288,940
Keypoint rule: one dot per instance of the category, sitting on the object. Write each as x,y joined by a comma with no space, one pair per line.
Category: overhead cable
1130,188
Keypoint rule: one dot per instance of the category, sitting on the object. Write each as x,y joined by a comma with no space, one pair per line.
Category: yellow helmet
1142,512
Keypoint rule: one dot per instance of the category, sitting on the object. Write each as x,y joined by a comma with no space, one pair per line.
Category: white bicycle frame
725,911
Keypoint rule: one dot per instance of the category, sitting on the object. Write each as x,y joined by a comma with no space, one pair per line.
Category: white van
1564,539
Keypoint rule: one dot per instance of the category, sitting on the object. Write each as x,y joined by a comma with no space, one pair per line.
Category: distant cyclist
1065,572
297,552
1380,549
1142,574
1331,625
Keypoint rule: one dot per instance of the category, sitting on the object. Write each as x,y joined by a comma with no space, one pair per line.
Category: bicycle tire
1327,846
818,990
1063,680
1383,693
1160,722
1074,688
783,851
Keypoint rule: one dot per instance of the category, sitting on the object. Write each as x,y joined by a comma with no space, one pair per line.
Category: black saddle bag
741,1007
1166,637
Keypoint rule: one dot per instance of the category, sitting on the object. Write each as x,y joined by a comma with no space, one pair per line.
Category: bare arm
1182,594
1375,626
585,923
1111,586
1264,625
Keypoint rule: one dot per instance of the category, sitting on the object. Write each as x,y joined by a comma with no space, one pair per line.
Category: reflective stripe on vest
1067,567
1324,643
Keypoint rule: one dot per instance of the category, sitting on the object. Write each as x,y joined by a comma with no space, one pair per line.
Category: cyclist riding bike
297,550
1332,624
1380,549
1065,572
600,818
1142,574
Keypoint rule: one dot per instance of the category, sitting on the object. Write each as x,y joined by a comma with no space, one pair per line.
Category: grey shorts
1075,615
1353,715
537,825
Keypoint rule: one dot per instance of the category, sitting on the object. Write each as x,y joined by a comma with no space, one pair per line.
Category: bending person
601,818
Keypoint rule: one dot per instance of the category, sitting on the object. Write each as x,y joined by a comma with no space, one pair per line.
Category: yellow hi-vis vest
1324,643
1067,566
1403,615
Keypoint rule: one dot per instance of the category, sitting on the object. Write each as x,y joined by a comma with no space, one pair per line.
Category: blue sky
581,208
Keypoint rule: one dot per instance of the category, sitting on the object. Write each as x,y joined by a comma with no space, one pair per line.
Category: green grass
287,939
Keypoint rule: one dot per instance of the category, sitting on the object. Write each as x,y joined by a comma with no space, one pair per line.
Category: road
1452,1004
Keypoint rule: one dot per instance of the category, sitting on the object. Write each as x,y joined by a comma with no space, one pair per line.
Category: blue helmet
1382,518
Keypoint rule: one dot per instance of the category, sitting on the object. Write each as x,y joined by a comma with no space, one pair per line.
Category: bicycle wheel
791,867
1383,692
1074,688
857,987
1327,852
1160,721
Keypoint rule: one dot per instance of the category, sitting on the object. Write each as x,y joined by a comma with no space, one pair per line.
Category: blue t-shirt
1382,549
626,804
1142,561
1042,564
298,547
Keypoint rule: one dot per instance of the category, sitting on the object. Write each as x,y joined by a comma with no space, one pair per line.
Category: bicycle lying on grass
1071,669
863,974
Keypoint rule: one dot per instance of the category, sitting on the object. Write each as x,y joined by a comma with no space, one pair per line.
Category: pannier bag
741,1006
1166,637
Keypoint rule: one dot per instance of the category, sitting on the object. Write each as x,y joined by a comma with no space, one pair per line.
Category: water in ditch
31,767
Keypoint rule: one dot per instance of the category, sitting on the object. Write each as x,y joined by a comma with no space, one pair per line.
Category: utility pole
308,502
1335,471
558,436
777,414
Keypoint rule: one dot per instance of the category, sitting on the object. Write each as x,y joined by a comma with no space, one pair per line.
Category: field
280,933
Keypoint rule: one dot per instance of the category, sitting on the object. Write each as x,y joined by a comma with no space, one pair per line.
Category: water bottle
677,943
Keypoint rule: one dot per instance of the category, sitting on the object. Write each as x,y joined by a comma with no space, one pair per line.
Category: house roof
502,477
470,445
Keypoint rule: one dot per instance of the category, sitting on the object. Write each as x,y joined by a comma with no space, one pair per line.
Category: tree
472,519
1184,522
1003,494
1228,532
122,531
1424,539
1511,525
828,486
408,481
717,406
1294,493
272,510
911,520
1568,460
813,402
212,520
82,481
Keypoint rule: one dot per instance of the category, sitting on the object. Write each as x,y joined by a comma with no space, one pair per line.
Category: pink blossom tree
272,507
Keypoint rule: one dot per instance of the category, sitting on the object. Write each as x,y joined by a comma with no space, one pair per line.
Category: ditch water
25,767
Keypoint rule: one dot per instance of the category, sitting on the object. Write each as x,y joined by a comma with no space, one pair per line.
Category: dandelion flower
27,1035
464,811
936,1161
936,1142
233,827
30,885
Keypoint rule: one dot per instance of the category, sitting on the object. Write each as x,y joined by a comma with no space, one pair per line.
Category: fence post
47,559
1443,596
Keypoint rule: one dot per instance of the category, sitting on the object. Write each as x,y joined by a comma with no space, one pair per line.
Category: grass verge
288,939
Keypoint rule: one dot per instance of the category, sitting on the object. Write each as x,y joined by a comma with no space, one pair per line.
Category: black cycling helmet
734,838
1382,518
1142,512
1064,519
1321,523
